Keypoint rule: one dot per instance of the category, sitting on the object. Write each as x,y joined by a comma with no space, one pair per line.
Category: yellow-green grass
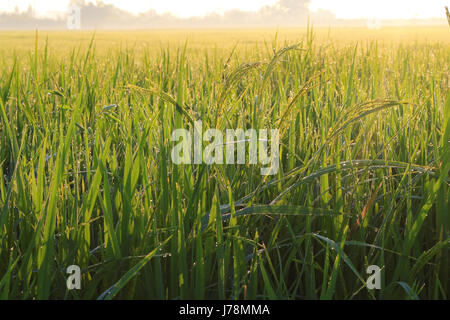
86,176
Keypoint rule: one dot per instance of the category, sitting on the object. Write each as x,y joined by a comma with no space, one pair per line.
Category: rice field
86,176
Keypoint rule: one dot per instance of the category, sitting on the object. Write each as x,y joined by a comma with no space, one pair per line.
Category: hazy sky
351,9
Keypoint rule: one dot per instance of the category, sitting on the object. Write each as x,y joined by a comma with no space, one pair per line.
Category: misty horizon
286,13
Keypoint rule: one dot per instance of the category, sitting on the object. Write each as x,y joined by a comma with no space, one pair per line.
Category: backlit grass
86,176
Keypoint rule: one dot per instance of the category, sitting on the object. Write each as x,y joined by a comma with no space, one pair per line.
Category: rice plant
86,176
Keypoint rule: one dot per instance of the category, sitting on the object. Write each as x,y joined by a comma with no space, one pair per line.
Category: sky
343,9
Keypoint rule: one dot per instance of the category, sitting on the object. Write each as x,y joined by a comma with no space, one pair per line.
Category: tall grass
86,176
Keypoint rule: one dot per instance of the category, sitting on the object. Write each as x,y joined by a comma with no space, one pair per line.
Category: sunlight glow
345,9
383,9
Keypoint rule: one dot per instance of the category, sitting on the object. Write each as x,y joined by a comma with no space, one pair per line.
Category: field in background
61,42
86,176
